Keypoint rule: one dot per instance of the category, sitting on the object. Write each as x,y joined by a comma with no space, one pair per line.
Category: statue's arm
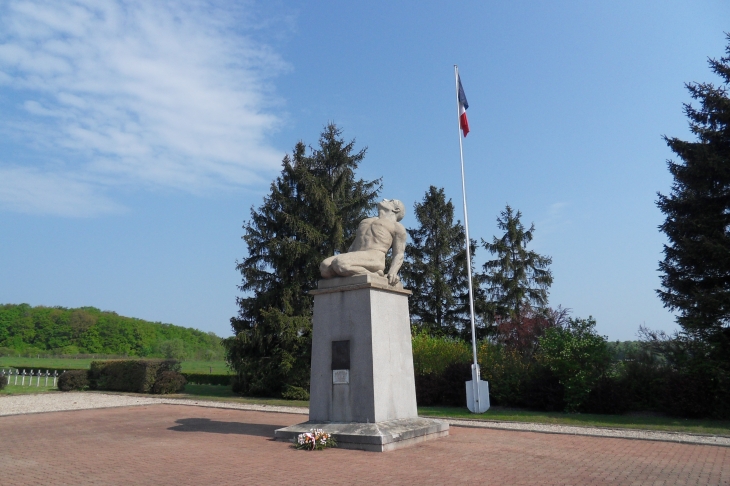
399,249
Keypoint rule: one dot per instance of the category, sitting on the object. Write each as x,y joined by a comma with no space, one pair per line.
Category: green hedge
74,380
432,355
208,379
169,382
138,376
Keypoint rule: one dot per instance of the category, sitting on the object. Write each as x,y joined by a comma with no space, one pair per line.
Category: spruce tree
312,211
435,267
696,266
517,280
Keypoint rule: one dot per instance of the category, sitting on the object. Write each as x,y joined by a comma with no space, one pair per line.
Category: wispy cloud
157,94
32,191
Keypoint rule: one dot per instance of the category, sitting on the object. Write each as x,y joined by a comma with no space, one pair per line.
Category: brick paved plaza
187,445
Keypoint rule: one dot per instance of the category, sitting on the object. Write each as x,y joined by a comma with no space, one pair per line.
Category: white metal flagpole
474,406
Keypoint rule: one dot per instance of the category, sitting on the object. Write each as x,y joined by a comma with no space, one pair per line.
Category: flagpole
475,367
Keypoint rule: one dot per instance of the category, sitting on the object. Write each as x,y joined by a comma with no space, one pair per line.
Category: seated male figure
375,236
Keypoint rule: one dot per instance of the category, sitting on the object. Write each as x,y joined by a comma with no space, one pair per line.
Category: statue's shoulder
367,221
399,228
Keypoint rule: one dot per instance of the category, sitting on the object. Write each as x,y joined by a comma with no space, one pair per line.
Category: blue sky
135,136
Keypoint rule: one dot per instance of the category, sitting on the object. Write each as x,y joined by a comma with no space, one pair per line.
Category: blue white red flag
463,106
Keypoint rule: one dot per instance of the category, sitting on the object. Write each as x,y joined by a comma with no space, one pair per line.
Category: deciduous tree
578,356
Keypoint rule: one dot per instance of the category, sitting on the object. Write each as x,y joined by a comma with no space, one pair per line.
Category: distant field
215,367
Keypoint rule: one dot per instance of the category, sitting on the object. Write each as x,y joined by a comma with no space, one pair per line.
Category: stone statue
375,236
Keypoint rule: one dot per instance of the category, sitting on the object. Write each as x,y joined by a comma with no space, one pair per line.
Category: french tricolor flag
463,106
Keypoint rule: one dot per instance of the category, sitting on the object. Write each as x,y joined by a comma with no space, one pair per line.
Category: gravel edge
597,432
42,403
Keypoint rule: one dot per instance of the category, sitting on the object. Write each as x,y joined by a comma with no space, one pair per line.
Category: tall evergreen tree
435,267
311,212
517,279
696,267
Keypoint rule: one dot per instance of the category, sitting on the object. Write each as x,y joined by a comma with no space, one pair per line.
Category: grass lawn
225,394
216,367
660,423
27,390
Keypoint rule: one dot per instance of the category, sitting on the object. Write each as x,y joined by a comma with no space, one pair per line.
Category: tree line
87,330
316,203
312,212
512,285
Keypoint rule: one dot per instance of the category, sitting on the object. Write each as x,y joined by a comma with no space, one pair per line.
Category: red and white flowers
315,440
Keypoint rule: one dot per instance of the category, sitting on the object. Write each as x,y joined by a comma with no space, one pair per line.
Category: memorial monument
362,385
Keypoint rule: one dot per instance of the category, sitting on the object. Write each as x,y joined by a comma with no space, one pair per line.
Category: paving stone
188,445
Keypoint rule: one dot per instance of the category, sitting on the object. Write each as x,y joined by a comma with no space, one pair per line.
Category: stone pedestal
362,386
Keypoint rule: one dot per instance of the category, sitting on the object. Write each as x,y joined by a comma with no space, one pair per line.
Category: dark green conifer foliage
696,267
517,278
311,212
435,267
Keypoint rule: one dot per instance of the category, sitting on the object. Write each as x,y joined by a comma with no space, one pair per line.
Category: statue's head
394,206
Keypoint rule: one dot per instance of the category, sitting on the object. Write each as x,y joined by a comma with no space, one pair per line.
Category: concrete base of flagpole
477,402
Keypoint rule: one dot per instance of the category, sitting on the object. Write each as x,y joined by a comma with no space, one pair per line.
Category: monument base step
376,437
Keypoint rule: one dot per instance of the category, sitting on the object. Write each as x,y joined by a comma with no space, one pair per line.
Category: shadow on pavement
216,427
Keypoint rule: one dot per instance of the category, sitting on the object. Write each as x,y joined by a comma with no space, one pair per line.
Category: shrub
577,356
689,395
643,377
428,389
294,393
208,379
3,381
73,380
442,366
522,332
169,382
543,391
507,371
172,349
137,376
608,396
435,354
454,380
445,388
66,350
